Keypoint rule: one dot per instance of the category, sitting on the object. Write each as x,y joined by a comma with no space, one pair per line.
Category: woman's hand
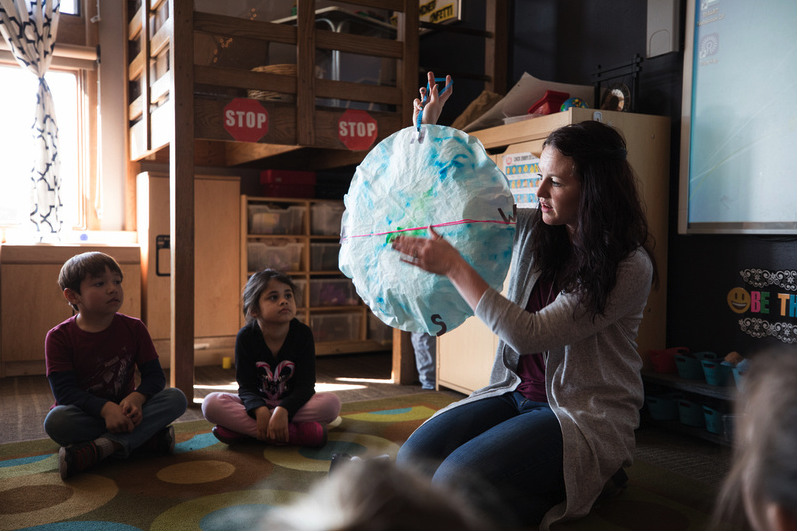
436,255
434,101
433,254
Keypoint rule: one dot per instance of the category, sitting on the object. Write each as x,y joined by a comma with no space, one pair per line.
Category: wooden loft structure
177,102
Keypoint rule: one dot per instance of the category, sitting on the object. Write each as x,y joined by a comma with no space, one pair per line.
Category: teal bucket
716,372
714,421
691,414
663,407
738,378
689,368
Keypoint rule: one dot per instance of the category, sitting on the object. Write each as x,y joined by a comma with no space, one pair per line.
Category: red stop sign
246,120
357,130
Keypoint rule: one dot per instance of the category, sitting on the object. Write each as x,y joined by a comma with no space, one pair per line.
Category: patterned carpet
209,486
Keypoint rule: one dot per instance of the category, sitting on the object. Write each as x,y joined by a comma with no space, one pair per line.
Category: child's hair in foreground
764,467
83,266
258,283
373,494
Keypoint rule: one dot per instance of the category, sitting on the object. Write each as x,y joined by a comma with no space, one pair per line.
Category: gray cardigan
593,376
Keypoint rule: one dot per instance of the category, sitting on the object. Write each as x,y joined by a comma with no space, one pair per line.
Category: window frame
76,44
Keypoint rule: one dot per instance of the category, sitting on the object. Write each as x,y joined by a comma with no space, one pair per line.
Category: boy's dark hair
83,266
257,285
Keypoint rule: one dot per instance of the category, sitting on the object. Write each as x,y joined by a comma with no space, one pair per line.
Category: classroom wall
564,41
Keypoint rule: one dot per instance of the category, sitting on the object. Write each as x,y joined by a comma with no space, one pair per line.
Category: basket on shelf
268,95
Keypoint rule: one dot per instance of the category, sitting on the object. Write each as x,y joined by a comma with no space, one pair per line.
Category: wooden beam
496,22
404,370
181,193
305,71
403,353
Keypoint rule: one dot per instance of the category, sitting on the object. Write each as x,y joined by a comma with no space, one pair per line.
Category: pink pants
227,410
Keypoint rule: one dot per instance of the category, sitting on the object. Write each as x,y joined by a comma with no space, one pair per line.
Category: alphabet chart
522,170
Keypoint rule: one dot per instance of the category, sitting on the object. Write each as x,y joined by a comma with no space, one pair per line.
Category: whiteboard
739,118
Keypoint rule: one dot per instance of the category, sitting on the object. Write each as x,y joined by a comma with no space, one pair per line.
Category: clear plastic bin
324,256
336,326
325,218
301,285
378,330
333,292
285,257
269,219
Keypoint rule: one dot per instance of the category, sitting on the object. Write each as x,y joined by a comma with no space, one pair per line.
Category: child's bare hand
278,425
115,419
131,408
263,416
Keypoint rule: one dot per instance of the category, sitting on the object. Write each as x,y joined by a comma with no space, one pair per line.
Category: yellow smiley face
739,300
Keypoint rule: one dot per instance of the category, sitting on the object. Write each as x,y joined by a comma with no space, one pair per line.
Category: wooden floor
25,400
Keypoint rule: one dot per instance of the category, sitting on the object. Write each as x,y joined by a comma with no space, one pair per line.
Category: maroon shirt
531,367
104,363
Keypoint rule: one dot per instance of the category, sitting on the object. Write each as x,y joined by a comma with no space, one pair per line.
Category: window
69,7
18,85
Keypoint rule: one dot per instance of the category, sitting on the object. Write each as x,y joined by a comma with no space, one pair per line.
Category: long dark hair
611,218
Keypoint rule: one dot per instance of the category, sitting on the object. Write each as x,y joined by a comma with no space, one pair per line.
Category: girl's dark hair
764,458
83,266
611,217
257,284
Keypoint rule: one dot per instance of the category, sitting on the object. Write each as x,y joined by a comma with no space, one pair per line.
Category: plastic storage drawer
286,257
265,219
325,218
333,292
378,330
336,327
324,256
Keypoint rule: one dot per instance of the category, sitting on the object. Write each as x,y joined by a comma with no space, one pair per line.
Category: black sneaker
165,440
161,443
77,457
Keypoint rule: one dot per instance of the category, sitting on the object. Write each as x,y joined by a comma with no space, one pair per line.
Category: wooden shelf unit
719,397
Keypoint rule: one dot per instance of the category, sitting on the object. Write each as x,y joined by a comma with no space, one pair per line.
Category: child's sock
105,447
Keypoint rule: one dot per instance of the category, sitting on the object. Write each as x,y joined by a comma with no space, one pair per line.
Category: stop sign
245,119
357,129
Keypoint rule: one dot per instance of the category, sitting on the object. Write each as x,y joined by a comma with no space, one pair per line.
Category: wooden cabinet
461,355
31,303
217,263
302,238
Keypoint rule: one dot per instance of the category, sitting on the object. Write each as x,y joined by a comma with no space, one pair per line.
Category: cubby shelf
701,391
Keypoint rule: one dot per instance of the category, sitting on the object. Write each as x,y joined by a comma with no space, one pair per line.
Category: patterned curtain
29,27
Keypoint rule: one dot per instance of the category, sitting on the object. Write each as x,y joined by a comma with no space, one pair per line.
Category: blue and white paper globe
409,181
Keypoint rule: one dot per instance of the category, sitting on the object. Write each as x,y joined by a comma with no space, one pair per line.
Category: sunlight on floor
320,387
366,380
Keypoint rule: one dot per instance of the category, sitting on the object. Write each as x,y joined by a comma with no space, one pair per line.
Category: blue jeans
70,425
425,346
507,445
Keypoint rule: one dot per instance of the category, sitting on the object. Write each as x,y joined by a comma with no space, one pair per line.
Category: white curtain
29,27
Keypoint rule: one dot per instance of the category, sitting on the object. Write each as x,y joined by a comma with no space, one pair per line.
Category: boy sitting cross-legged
91,364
